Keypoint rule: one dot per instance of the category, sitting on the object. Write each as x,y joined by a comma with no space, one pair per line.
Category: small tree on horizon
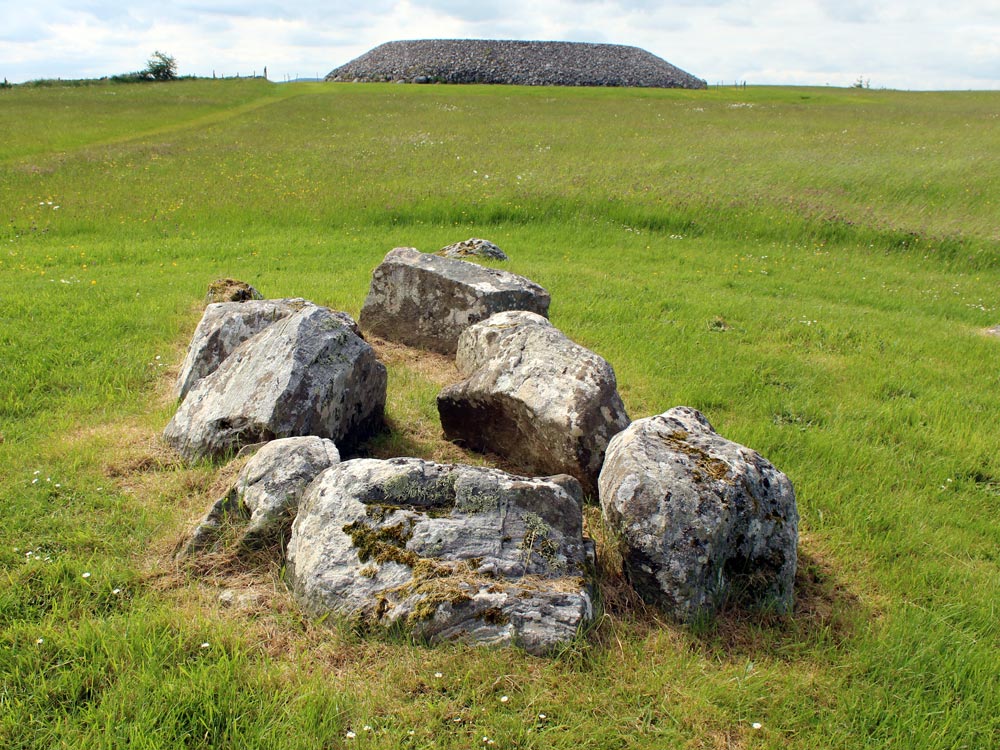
161,67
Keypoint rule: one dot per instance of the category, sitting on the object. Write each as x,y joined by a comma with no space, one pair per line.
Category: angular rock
231,290
544,403
223,327
473,248
307,374
449,552
426,301
258,510
701,519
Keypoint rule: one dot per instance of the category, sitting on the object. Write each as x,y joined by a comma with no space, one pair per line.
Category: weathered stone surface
544,403
702,519
259,508
450,552
306,374
426,301
473,248
231,290
223,327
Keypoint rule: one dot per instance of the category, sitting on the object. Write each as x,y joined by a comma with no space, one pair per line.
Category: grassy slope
810,267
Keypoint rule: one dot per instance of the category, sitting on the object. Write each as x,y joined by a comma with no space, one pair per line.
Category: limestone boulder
702,520
449,552
259,508
543,402
426,301
474,247
223,327
306,374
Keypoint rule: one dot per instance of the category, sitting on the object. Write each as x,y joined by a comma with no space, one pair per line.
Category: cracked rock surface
449,552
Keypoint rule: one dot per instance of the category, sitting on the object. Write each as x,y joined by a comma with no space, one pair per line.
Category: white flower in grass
85,575
504,698
542,716
206,644
756,725
350,735
439,674
116,592
40,641
367,727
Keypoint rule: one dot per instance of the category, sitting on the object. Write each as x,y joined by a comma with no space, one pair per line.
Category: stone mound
514,62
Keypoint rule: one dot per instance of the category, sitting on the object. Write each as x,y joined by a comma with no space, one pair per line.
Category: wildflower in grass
350,735
116,592
367,727
543,717
40,641
205,644
439,674
756,725
85,575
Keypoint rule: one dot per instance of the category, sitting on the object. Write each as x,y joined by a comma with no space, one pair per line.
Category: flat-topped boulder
531,395
702,520
426,301
306,374
448,552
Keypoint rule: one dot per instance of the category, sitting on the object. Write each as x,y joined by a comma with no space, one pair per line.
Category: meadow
813,268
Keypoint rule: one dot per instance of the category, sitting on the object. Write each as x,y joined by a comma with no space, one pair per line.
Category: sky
897,44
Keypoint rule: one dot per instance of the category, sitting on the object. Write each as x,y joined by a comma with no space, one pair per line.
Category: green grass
812,268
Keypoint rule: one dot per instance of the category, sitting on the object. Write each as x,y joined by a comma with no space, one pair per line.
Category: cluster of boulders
461,552
525,63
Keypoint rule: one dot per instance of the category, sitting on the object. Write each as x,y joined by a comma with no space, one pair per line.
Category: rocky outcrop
544,403
231,290
448,552
474,247
701,519
514,62
258,510
307,374
223,327
426,301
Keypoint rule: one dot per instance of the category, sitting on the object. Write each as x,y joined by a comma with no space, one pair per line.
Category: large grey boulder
701,519
259,508
307,374
426,301
544,403
448,552
223,327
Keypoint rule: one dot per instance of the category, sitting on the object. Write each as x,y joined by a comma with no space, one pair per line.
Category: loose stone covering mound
701,518
426,301
514,62
307,374
262,503
451,552
223,327
531,395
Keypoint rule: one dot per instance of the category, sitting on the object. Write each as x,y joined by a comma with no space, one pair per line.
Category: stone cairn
454,552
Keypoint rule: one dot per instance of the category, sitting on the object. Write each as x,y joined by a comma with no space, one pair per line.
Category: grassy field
812,268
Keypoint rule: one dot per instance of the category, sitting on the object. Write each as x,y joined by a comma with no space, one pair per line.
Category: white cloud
918,44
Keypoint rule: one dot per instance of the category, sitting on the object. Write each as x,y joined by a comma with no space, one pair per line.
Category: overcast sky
905,44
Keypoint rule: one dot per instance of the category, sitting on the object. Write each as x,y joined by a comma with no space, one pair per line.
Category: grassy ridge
810,267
